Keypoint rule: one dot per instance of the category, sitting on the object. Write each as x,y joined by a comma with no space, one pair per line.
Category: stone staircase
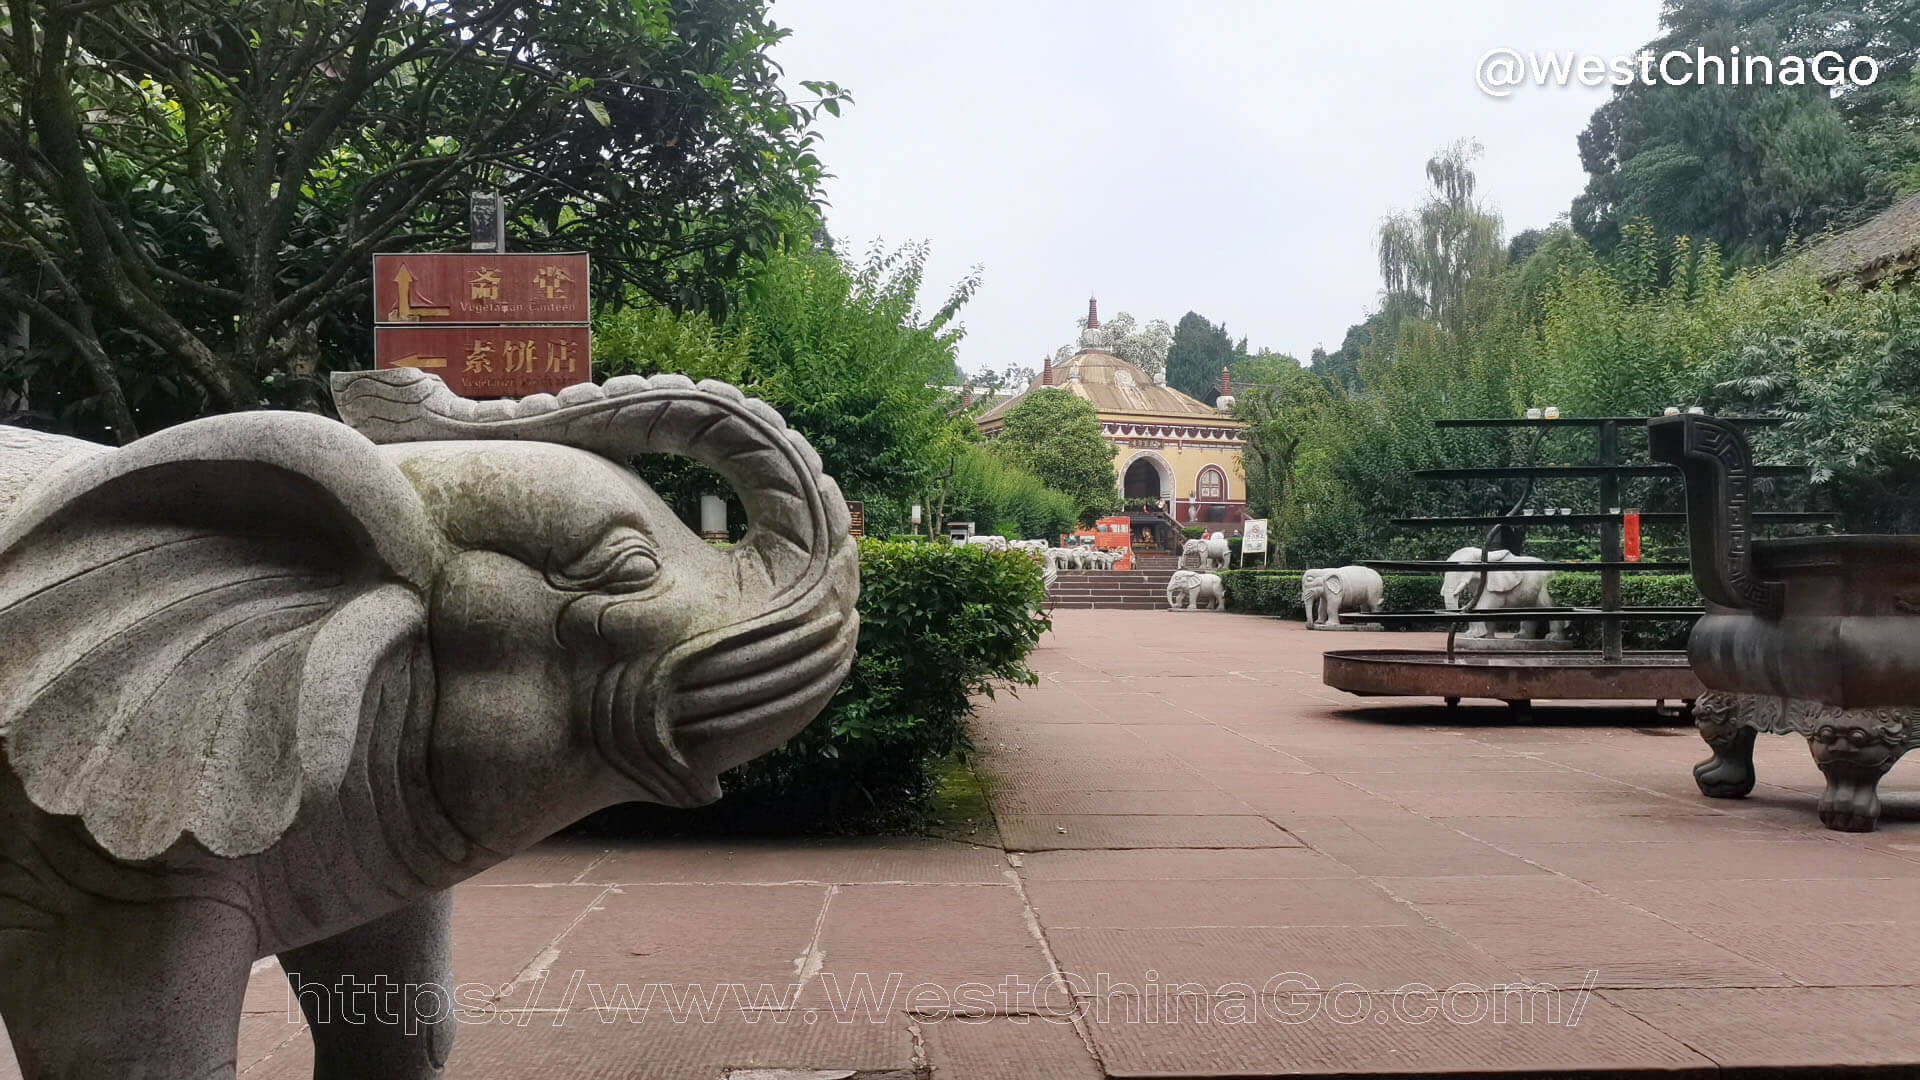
1143,588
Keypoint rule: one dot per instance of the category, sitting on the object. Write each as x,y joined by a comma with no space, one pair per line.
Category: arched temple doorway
1146,475
1142,481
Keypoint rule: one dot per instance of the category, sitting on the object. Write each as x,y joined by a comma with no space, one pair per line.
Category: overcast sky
1230,158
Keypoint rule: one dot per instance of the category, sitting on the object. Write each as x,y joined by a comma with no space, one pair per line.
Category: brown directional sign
857,514
479,287
490,361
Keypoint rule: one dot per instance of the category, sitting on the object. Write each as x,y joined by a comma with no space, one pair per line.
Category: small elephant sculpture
990,543
1187,589
1210,554
1059,558
271,684
1102,560
1327,592
1462,590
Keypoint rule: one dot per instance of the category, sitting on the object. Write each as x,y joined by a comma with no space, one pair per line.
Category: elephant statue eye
621,562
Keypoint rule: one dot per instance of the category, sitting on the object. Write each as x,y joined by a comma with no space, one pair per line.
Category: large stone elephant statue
1462,590
1188,589
1208,554
1328,591
271,684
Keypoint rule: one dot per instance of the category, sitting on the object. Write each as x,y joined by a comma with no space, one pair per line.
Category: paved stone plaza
1185,814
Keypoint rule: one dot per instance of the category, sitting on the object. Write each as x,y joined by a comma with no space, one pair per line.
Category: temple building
1168,448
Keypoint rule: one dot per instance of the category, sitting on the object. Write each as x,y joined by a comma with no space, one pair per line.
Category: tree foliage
1145,347
1430,257
1750,166
840,348
195,186
1057,437
1197,354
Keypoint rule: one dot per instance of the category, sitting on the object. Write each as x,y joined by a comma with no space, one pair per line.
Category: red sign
1633,535
466,287
490,361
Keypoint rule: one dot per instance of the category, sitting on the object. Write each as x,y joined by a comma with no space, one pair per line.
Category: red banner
466,287
490,361
1633,535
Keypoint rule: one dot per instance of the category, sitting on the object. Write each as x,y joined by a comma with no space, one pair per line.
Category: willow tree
1430,256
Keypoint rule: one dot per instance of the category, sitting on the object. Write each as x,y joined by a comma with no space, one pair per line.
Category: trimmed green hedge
1582,589
940,624
1264,592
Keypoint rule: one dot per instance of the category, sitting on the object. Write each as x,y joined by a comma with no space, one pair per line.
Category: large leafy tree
1196,355
195,186
1751,166
1057,437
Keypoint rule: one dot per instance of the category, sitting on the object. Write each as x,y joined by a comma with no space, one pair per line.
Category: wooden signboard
489,361
490,324
483,287
857,512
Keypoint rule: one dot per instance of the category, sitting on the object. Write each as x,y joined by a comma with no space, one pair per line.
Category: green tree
1750,166
1196,355
195,186
840,348
1430,257
1056,437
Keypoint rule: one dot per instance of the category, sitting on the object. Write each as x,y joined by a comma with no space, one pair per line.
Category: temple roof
1116,389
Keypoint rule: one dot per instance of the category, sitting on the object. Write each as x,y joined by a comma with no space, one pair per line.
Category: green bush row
939,625
1582,589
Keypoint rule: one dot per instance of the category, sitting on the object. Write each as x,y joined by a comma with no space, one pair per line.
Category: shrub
1411,592
1264,592
987,489
939,624
1582,589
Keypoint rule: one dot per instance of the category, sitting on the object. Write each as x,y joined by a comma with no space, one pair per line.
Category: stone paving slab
1497,899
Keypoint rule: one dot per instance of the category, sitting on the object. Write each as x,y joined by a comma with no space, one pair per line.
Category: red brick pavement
1188,814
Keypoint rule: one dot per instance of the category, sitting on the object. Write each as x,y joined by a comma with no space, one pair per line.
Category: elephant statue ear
197,624
1503,581
1331,584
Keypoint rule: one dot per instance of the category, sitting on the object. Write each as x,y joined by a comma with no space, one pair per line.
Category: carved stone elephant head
305,675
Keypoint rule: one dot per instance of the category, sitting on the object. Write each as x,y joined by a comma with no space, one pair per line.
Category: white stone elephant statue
1102,560
274,683
990,543
1207,553
1462,590
1062,558
1033,549
1328,591
1188,589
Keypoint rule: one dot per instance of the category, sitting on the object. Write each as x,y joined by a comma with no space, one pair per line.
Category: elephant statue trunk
272,684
